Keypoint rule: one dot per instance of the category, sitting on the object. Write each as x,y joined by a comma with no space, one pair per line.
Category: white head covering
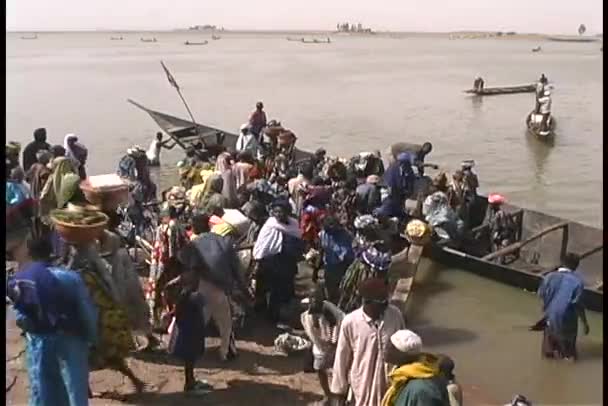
406,341
244,127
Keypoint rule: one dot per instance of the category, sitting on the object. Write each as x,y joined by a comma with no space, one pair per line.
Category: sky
526,16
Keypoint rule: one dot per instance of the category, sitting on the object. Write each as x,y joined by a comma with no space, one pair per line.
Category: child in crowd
446,368
321,323
187,341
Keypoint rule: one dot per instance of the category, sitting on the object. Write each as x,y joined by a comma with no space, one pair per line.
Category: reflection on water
484,326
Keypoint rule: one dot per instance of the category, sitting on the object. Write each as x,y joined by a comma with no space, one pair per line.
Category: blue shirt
337,247
83,312
561,292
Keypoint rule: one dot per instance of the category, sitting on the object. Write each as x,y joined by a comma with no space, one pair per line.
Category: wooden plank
518,245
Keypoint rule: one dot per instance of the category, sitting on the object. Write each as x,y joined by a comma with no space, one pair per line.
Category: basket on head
418,232
92,226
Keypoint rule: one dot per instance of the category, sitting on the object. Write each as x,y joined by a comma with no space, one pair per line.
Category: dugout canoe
533,258
491,91
533,123
541,242
196,43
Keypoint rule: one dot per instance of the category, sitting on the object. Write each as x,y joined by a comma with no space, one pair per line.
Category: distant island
353,29
205,27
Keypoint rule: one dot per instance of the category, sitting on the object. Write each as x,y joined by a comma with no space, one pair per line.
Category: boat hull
492,91
537,258
533,122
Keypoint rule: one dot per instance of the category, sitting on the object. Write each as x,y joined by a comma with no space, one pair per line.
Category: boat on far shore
148,39
317,41
35,36
215,37
573,39
537,49
116,38
196,43
491,91
295,39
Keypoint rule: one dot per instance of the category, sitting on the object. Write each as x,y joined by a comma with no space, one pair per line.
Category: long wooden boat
316,41
573,39
196,43
295,39
538,250
491,91
533,124
542,241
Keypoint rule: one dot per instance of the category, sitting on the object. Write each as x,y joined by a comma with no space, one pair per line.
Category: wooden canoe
573,39
542,240
533,260
533,124
491,91
196,43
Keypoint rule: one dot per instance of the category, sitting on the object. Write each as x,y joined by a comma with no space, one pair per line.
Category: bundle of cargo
106,191
79,225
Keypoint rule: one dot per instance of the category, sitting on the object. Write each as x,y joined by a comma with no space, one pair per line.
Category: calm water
360,94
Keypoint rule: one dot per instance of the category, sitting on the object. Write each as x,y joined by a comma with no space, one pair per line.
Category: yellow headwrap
425,367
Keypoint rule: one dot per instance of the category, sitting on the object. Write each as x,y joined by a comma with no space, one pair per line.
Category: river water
361,93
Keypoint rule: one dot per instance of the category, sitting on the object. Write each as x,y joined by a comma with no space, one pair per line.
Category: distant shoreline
450,34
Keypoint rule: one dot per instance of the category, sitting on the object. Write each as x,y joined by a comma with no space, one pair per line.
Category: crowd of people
80,305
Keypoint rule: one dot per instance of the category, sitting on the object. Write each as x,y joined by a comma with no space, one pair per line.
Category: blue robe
59,319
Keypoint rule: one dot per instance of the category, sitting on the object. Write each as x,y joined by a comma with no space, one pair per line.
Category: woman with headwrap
61,187
373,263
212,201
77,153
224,168
343,204
399,178
58,320
277,251
38,144
126,280
366,233
169,240
115,340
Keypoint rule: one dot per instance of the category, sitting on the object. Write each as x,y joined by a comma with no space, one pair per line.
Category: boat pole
173,83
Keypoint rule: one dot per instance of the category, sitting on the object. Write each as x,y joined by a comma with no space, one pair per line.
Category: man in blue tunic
561,292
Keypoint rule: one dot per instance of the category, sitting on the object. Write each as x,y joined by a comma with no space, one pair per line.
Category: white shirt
153,153
247,142
545,104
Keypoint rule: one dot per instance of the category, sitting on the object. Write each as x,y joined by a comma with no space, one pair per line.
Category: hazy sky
546,16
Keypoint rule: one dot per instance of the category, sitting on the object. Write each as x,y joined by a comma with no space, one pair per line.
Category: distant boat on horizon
196,43
35,36
116,38
148,39
573,39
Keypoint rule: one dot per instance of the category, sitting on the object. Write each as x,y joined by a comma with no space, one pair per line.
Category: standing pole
173,83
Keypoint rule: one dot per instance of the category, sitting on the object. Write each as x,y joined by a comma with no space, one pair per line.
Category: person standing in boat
257,120
545,109
540,90
156,145
478,83
561,292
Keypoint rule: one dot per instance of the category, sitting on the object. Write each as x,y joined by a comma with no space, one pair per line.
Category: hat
244,126
377,260
280,202
406,341
467,164
495,198
373,179
365,221
135,149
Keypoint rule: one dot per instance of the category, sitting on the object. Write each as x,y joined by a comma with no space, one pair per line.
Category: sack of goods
418,232
289,344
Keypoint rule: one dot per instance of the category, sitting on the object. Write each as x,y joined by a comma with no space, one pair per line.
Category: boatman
545,108
540,90
478,83
257,120
562,294
153,153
